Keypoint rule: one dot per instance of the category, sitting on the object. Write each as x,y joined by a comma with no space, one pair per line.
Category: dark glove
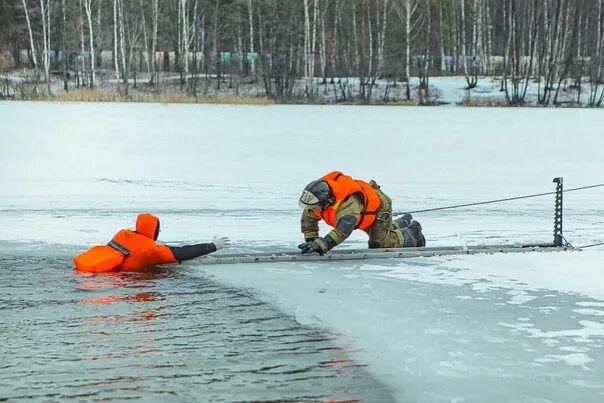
319,246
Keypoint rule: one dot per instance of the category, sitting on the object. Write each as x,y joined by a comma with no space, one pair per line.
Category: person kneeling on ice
137,250
347,204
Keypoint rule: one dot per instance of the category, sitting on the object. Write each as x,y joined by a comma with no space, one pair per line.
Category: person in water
347,204
138,250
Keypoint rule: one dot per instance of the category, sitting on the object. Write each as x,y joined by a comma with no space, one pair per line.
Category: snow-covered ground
451,90
497,328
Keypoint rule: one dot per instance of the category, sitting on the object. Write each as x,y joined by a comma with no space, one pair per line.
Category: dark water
168,335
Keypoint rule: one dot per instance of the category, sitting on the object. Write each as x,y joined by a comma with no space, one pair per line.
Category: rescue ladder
559,244
368,254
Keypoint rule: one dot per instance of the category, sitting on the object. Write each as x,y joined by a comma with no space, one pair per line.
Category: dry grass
91,95
403,102
483,102
6,61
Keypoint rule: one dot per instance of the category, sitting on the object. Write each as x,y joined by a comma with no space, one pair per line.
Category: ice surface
495,328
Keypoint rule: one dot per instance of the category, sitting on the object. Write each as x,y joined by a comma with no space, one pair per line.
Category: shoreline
264,101
448,91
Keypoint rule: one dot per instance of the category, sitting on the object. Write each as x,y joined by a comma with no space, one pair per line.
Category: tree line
552,43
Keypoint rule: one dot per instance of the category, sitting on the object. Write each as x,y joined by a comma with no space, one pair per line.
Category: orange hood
147,225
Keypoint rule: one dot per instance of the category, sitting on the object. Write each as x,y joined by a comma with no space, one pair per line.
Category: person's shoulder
352,202
354,198
125,232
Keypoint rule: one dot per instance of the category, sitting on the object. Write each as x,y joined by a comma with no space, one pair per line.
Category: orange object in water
128,251
99,259
343,186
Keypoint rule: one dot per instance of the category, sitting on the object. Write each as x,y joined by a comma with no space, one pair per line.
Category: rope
592,245
498,200
568,243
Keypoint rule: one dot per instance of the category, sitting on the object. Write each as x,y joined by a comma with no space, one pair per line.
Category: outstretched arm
188,252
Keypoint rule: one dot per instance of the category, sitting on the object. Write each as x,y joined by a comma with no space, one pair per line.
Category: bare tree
116,39
313,44
122,48
521,25
45,14
555,44
555,35
147,53
471,74
99,32
383,23
596,87
250,9
31,36
64,45
88,9
155,77
184,40
423,62
329,25
407,11
307,40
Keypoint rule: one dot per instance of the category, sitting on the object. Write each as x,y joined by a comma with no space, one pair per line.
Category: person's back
346,204
144,252
138,250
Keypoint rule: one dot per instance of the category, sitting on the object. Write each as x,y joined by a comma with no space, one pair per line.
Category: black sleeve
188,252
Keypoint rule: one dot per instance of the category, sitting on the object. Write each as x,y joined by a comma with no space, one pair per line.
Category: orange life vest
343,186
128,250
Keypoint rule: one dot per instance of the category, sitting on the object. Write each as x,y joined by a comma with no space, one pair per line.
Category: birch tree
98,42
407,11
155,76
115,40
313,44
596,87
184,40
146,51
122,48
471,73
81,68
382,36
250,8
45,14
32,46
558,44
423,64
551,55
64,45
329,24
307,40
88,9
521,27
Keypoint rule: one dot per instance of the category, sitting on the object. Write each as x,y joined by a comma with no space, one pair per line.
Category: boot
416,228
404,221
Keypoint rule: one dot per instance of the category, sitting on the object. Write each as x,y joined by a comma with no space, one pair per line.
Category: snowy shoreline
444,91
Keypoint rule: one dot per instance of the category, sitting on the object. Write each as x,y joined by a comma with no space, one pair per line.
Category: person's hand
319,246
221,242
306,243
304,246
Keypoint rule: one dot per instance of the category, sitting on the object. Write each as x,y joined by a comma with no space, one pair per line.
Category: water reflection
115,287
167,334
